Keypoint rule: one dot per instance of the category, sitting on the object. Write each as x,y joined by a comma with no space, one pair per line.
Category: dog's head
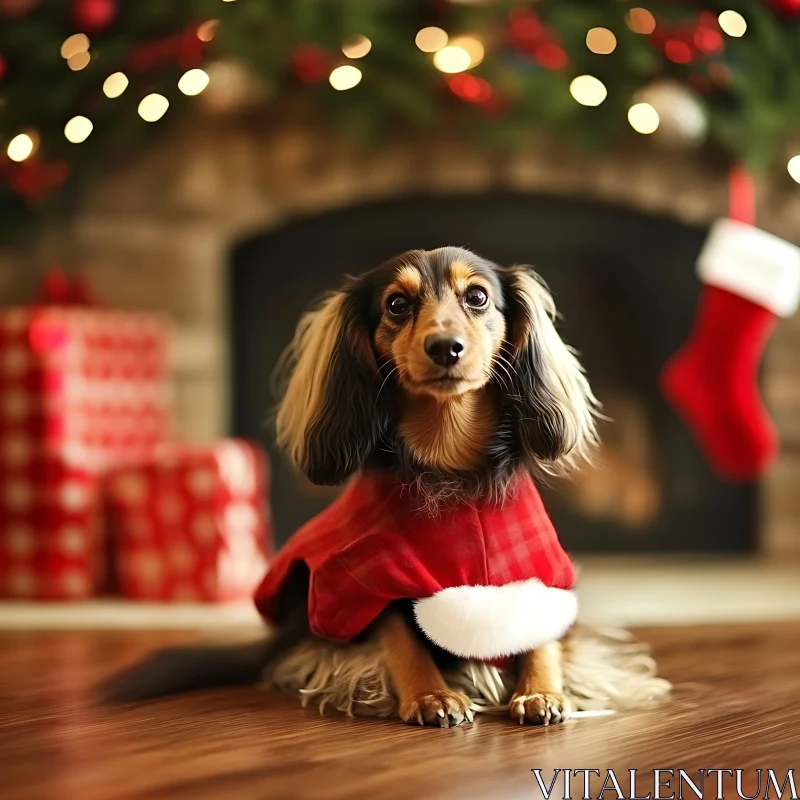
439,324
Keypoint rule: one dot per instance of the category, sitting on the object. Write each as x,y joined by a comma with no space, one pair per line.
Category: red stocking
751,278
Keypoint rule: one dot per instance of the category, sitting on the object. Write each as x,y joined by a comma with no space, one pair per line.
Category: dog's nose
443,349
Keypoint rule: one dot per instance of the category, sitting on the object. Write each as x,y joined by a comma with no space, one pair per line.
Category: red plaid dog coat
488,580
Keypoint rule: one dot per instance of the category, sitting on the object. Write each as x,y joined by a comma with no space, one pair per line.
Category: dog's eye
398,305
476,297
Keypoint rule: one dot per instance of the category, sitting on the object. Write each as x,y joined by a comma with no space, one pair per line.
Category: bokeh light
601,41
114,85
733,23
640,20
22,146
345,77
77,130
429,40
588,90
193,82
207,30
451,59
678,52
469,88
78,61
77,43
473,46
356,47
153,107
643,118
794,168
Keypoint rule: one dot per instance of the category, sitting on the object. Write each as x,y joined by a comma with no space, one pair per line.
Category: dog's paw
444,708
539,709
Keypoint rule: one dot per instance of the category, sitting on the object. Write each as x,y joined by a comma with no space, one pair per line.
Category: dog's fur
361,391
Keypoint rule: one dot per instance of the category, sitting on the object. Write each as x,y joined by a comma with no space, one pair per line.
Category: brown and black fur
362,391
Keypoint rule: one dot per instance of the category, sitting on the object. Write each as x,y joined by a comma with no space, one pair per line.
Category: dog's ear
329,421
553,403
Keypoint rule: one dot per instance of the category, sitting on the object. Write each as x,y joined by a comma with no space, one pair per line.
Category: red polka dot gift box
192,524
82,390
50,534
87,385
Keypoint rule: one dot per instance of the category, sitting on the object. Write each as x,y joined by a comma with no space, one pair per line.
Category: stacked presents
95,494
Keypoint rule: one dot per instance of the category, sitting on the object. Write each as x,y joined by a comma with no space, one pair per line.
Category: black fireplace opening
625,285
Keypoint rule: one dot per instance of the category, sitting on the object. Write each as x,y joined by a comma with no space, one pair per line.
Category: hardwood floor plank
735,706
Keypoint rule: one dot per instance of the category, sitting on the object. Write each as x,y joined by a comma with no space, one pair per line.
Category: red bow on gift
59,290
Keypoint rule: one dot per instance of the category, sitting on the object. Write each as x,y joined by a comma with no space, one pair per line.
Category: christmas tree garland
80,79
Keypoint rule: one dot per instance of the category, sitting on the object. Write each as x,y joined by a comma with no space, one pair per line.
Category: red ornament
789,8
469,88
93,15
3,66
311,63
677,51
551,56
708,40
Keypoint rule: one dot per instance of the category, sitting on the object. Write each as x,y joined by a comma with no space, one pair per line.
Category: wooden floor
736,706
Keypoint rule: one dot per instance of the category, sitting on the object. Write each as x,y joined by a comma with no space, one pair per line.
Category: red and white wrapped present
193,524
50,529
82,390
87,385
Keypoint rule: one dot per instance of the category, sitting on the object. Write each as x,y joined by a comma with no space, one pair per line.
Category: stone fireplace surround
156,233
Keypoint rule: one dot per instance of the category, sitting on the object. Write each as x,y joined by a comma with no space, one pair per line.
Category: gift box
50,531
86,385
192,524
82,390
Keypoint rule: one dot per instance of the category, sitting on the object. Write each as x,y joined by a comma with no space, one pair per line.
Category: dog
442,373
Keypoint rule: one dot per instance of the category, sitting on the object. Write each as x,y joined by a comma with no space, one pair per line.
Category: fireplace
625,284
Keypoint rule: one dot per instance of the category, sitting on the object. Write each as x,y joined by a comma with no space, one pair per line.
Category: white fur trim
488,622
753,264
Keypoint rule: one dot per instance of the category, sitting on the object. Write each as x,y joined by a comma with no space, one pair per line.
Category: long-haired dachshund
444,374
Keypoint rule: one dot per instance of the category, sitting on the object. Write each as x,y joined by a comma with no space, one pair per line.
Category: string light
640,20
430,40
22,146
207,30
153,107
356,47
733,23
77,43
588,90
114,85
452,59
77,130
601,41
193,82
345,77
473,47
794,168
643,118
78,61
